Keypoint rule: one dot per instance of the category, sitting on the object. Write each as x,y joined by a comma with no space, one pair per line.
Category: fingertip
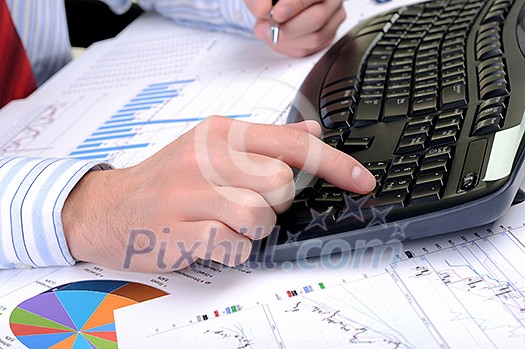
259,8
363,179
240,254
261,30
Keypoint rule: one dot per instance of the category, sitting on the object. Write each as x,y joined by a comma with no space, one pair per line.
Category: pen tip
274,32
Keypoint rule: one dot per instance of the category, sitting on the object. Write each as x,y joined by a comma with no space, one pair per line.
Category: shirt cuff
33,194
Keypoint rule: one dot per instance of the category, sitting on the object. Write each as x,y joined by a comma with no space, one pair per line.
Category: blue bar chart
132,126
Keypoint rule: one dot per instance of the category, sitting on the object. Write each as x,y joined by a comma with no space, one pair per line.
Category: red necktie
16,76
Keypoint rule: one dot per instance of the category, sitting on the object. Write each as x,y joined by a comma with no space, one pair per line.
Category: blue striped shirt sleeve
223,15
42,26
33,194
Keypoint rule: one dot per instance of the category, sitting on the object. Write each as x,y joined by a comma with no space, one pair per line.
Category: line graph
348,315
474,292
249,328
22,134
352,315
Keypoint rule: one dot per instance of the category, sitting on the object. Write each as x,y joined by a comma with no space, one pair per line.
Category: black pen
274,26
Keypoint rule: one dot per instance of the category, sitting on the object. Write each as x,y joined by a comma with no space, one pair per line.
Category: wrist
83,213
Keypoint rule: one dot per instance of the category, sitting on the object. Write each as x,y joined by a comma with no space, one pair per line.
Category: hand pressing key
205,195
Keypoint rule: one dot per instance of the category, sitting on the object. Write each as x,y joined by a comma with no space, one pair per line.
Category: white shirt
33,191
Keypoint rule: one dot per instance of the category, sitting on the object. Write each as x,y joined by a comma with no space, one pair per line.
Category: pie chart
76,315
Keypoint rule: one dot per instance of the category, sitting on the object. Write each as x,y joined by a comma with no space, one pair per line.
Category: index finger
285,10
299,148
259,8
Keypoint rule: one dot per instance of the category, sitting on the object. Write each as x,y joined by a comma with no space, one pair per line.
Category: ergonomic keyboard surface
430,98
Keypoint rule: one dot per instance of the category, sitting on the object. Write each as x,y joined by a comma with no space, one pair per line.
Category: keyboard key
494,16
426,104
425,194
454,96
491,78
345,96
486,126
494,89
449,122
420,129
433,178
421,120
435,164
337,120
454,79
444,136
352,145
491,71
329,195
411,144
368,111
496,111
299,213
377,165
488,63
490,51
444,151
396,200
396,107
402,171
396,186
339,85
407,159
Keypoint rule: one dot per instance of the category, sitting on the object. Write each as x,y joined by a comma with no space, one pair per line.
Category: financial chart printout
464,290
122,118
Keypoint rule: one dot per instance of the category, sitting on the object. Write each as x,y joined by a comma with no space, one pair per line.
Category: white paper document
126,98
462,290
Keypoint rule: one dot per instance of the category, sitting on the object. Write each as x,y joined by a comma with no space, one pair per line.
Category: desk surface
459,290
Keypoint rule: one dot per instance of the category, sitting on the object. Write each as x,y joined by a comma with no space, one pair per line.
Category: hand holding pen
297,28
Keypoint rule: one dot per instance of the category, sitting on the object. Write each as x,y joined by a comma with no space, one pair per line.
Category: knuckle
253,211
342,14
214,122
318,39
281,177
185,154
294,139
250,206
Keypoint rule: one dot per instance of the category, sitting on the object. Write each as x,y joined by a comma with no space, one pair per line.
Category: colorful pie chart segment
76,315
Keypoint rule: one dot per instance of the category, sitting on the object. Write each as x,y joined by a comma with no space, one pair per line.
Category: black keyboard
431,99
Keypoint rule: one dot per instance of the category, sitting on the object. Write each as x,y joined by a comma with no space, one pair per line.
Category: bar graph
132,126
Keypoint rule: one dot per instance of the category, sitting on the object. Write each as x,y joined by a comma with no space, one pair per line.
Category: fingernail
363,179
